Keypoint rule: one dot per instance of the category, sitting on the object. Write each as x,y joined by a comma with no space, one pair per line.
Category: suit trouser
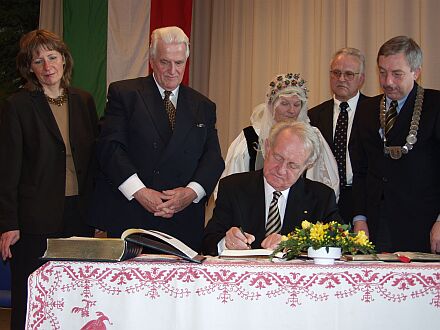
383,238
345,204
26,255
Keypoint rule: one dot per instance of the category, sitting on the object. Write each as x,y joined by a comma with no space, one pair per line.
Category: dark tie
390,117
170,109
340,142
273,224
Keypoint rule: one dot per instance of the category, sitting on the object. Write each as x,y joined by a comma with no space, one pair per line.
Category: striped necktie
390,117
273,224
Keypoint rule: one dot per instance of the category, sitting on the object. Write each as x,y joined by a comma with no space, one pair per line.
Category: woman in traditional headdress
286,99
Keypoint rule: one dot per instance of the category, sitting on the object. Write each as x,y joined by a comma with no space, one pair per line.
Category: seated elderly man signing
254,209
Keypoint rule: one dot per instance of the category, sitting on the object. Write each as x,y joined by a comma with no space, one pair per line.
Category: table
224,294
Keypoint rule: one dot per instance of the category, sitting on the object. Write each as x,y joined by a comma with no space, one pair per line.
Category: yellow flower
322,235
305,224
361,238
317,232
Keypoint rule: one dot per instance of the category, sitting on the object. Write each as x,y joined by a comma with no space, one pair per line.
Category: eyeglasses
347,74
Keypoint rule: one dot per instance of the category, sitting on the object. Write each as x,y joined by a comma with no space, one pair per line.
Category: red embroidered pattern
228,281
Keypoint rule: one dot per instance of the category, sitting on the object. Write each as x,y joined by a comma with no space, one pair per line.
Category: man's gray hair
169,35
352,52
304,131
405,45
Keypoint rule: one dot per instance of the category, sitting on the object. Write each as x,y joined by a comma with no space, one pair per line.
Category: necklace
58,101
396,152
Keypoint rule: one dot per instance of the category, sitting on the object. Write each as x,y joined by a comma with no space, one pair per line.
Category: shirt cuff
221,246
130,186
360,218
198,189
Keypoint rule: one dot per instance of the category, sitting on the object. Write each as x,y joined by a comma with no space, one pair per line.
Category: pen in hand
242,231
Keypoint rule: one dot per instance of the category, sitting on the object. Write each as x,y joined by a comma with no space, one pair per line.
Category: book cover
90,249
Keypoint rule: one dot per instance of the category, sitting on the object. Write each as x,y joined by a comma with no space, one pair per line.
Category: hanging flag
109,39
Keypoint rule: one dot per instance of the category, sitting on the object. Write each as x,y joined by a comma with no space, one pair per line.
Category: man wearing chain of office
396,156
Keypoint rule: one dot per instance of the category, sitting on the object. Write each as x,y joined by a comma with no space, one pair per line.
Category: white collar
352,103
174,93
268,189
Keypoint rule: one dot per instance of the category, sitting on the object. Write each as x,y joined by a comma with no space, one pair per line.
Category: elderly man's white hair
169,35
352,52
306,134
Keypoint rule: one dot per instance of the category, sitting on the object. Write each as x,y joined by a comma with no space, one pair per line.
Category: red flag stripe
172,13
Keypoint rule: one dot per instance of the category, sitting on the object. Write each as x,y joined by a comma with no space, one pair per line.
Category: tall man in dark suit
158,150
346,79
255,208
396,155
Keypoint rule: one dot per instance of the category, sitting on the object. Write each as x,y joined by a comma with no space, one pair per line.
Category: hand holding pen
244,234
237,239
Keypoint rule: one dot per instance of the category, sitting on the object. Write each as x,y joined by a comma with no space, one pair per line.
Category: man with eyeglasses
346,78
396,155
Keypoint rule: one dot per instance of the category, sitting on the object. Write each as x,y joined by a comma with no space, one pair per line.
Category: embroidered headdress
263,116
286,84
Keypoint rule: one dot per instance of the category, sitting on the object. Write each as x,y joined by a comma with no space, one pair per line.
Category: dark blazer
33,160
410,186
136,138
241,203
321,116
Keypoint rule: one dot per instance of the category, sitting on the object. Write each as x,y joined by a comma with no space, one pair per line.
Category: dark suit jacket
33,160
410,186
241,203
321,116
136,138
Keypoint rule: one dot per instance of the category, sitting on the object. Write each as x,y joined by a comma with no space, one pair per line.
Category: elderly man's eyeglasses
349,75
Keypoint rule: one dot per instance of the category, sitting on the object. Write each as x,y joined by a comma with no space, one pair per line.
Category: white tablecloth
225,295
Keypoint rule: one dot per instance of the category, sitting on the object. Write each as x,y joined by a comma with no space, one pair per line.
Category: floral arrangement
318,235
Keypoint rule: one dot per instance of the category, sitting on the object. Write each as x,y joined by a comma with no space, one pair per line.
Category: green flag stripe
85,32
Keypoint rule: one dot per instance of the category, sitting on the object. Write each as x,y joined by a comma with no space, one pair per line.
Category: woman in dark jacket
47,137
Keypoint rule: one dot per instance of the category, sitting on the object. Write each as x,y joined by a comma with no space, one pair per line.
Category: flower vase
323,257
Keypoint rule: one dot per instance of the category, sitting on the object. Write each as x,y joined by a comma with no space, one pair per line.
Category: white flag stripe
127,39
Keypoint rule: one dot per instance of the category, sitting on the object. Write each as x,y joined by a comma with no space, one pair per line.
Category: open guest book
130,245
251,253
